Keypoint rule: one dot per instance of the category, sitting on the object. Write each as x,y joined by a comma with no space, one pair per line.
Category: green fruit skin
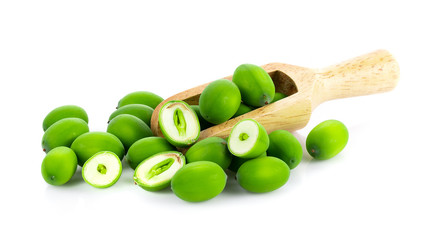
88,144
213,149
286,147
160,186
66,111
202,122
63,133
112,182
198,181
168,137
243,109
262,142
256,86
278,96
140,97
145,148
59,165
327,139
128,129
237,162
219,101
263,174
141,111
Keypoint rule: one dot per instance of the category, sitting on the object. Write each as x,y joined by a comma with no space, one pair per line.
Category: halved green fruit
63,133
141,111
140,97
66,111
155,173
213,149
248,139
256,86
102,170
59,166
145,148
285,146
128,129
179,123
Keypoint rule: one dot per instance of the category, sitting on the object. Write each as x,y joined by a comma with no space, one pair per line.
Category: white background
91,53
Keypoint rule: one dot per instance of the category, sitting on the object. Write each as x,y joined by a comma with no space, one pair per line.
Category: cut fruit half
179,123
155,173
102,170
248,139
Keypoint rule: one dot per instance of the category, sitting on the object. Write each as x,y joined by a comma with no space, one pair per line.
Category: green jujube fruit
128,129
237,162
145,148
248,139
219,101
278,96
141,97
243,109
202,122
256,86
263,174
88,144
198,181
327,139
59,165
66,111
213,149
285,146
141,111
102,170
63,133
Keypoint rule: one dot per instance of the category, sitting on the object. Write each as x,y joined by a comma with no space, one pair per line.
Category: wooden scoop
306,88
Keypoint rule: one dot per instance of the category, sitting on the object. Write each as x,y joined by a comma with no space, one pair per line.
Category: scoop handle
374,72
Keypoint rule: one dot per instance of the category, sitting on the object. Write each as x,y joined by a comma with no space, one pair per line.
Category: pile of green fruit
261,161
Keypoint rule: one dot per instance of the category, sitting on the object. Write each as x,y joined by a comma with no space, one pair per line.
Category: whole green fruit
237,162
63,133
141,111
256,86
88,144
198,181
286,147
263,174
243,109
213,149
141,97
59,165
327,139
128,129
66,111
278,96
219,101
145,148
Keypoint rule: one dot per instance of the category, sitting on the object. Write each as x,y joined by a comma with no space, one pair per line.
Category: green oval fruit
63,133
141,111
155,173
66,111
243,109
145,148
327,139
88,144
248,139
278,96
237,162
286,147
213,149
179,123
198,181
263,174
102,170
255,84
202,122
140,97
59,166
219,101
128,129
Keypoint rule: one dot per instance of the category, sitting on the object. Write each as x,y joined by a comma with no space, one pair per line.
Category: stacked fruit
261,161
